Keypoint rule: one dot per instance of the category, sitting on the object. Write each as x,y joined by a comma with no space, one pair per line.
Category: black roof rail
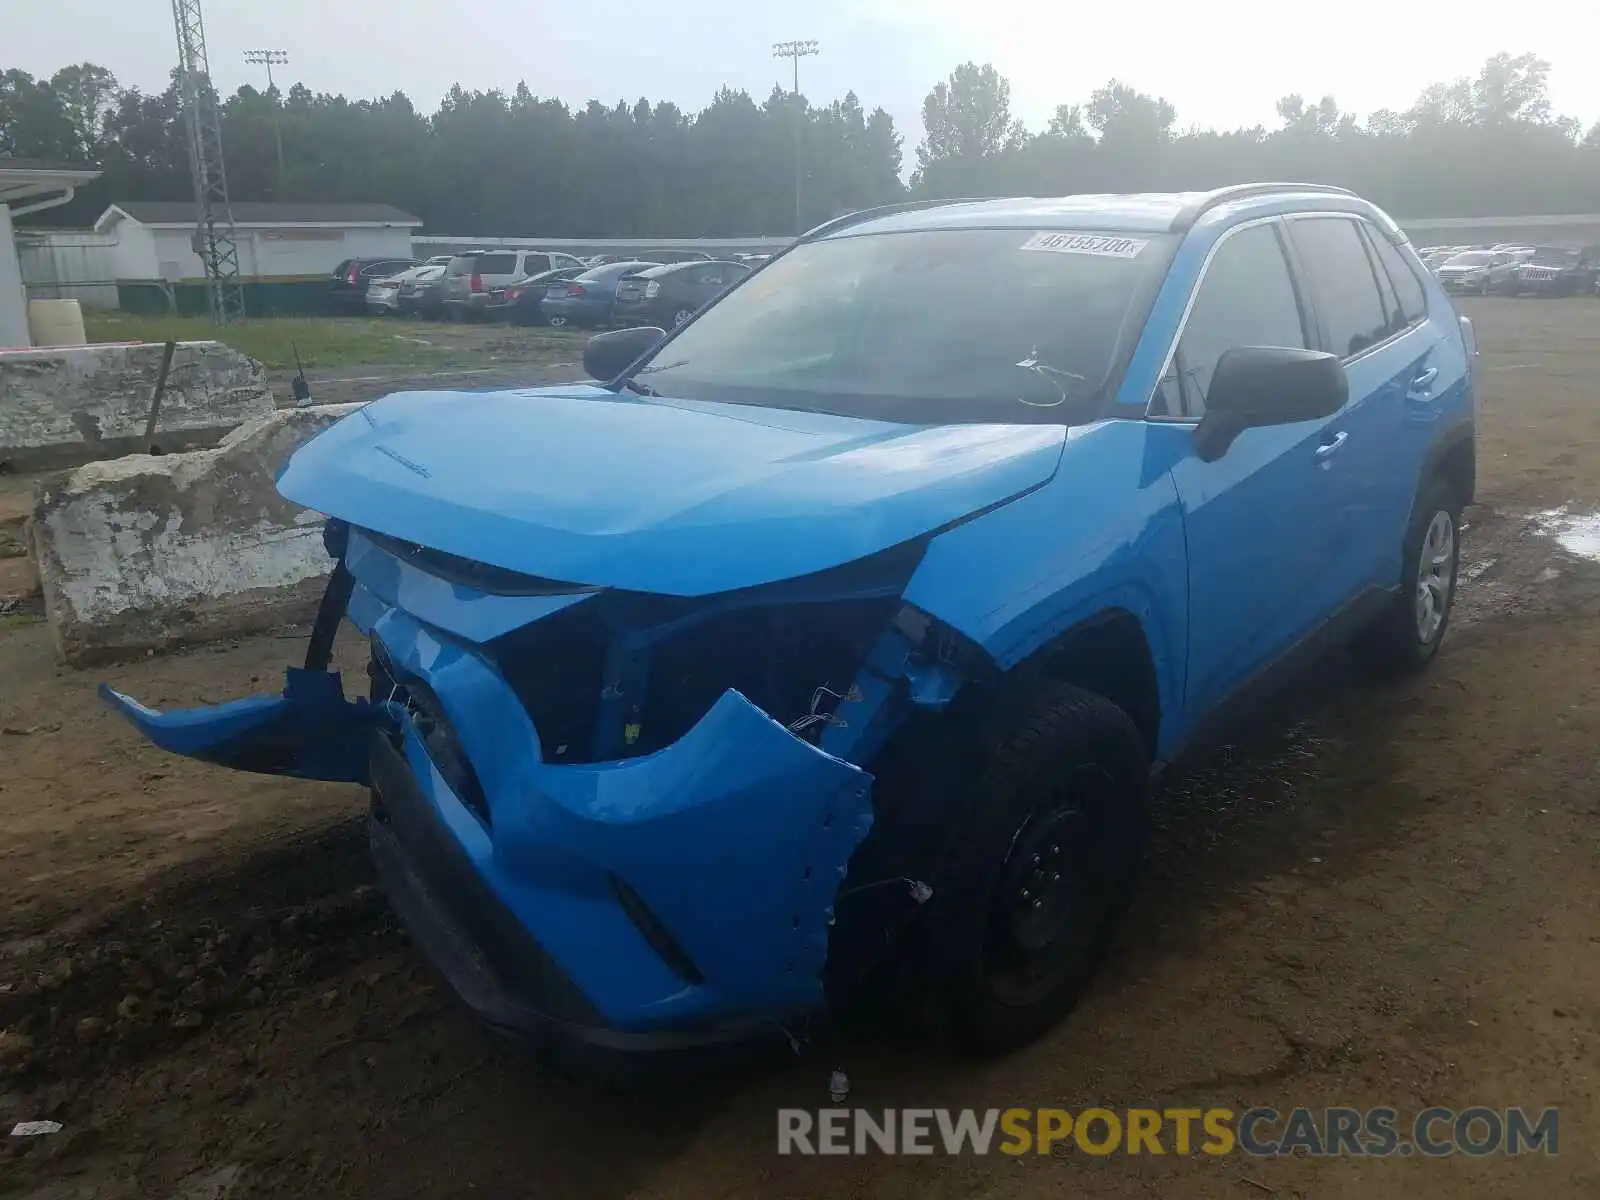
1190,213
889,210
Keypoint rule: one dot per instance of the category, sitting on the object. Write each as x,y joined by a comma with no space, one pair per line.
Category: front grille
434,727
790,660
556,667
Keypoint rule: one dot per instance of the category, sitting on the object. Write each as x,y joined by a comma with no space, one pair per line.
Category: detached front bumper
669,904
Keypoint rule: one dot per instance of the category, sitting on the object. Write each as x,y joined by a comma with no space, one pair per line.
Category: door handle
1422,386
1328,449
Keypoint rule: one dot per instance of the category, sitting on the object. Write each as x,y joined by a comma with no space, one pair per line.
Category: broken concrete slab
147,552
70,404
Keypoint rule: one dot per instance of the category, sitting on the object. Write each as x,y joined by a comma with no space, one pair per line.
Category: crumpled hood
579,484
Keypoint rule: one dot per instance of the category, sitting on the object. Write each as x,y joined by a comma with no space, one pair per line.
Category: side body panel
1105,534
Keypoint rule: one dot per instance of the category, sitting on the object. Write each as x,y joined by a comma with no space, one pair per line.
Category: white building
155,239
26,186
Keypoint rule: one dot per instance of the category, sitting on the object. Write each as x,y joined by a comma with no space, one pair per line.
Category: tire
557,322
1406,637
1040,873
682,316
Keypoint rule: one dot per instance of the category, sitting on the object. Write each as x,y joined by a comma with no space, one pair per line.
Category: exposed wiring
814,717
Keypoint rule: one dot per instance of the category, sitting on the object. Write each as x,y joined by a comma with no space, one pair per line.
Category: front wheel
1041,874
1409,634
681,317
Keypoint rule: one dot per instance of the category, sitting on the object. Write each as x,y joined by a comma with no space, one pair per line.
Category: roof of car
623,265
692,264
1141,212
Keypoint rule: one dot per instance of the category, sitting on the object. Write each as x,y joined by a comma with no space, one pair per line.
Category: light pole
268,58
796,51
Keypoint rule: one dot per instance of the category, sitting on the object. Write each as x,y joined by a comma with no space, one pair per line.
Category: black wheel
681,317
1040,874
1409,634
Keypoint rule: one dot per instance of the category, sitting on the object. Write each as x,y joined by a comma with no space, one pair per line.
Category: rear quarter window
496,264
1407,287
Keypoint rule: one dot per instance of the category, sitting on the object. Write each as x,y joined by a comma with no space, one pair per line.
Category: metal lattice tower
214,237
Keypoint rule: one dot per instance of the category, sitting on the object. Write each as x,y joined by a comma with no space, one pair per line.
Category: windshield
1472,258
946,325
1554,255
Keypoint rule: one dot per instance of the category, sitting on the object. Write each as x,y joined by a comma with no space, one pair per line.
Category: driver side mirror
1255,386
607,355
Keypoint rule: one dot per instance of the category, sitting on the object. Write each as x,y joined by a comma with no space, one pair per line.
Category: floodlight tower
214,238
796,51
269,58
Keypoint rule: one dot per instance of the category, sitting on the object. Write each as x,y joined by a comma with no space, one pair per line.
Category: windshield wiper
646,370
633,385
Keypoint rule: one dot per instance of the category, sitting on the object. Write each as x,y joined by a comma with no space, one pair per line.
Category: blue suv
837,636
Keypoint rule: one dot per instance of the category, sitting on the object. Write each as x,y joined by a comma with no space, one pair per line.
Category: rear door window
1344,290
496,264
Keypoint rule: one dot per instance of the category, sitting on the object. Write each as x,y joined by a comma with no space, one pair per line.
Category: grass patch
346,341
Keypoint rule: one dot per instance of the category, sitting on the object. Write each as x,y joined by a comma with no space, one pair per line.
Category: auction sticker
1086,243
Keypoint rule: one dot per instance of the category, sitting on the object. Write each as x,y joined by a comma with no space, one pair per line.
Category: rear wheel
1409,634
1042,872
682,316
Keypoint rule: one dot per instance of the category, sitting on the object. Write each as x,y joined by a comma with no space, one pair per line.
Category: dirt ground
1390,897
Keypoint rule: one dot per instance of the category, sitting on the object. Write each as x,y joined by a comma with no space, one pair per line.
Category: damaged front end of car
615,820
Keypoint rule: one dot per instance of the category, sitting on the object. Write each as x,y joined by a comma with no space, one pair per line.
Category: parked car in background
347,287
383,294
1557,271
1478,271
423,296
520,303
474,275
669,295
587,300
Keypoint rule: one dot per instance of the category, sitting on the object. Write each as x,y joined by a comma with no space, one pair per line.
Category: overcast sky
1222,63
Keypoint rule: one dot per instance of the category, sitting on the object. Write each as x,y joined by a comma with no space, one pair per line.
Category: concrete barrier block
73,403
147,552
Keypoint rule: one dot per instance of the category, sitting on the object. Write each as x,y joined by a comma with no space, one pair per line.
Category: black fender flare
1444,444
